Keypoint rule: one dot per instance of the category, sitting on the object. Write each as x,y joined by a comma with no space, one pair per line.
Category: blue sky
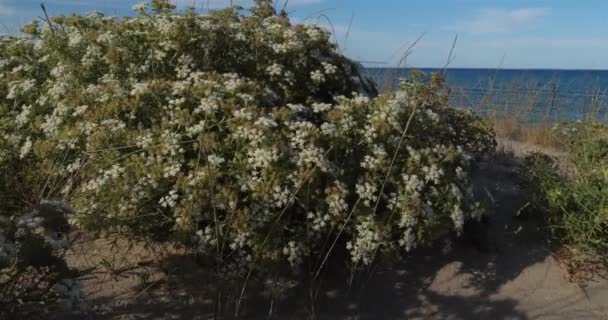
560,34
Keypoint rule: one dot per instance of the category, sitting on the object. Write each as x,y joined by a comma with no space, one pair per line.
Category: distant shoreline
482,68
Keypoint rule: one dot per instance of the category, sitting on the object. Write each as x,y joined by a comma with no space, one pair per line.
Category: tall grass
575,204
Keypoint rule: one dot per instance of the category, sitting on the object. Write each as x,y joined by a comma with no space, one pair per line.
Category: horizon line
490,68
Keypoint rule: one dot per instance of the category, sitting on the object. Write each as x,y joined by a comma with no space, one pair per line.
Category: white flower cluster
294,254
153,135
366,191
366,242
317,76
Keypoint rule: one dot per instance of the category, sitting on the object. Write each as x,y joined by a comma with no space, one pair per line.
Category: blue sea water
539,94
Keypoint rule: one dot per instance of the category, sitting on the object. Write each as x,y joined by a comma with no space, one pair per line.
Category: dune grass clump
249,137
574,197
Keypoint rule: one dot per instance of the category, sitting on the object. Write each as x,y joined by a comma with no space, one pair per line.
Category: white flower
80,110
456,192
377,160
26,148
17,88
366,242
366,191
412,183
23,117
280,48
414,154
206,106
476,211
329,68
461,174
314,33
105,37
170,200
240,36
262,158
74,39
140,88
329,129
361,100
215,160
408,240
171,170
432,173
206,237
266,122
164,25
457,218
242,113
145,140
74,166
294,253
313,157
319,221
432,115
296,107
274,70
281,196
321,107
240,240
336,199
114,125
87,127
142,6
317,77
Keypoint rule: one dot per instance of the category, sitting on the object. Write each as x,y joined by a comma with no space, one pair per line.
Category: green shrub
574,198
250,137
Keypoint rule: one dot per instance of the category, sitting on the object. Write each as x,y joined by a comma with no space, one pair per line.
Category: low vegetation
571,191
249,140
245,137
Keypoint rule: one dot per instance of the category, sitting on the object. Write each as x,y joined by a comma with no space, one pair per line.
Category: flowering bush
244,134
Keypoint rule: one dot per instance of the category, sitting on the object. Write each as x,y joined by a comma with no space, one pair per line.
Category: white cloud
378,48
548,43
500,20
6,10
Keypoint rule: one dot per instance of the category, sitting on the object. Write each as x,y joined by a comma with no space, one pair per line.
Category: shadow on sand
462,283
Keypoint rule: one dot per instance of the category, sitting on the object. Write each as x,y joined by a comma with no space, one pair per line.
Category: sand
507,273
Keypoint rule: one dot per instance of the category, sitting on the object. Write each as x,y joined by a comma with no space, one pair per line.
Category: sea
533,95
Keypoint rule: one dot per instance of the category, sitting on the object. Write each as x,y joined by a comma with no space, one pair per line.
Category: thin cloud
548,43
500,20
6,10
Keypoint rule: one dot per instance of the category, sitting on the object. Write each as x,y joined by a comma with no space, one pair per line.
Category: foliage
246,135
575,200
33,273
33,237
